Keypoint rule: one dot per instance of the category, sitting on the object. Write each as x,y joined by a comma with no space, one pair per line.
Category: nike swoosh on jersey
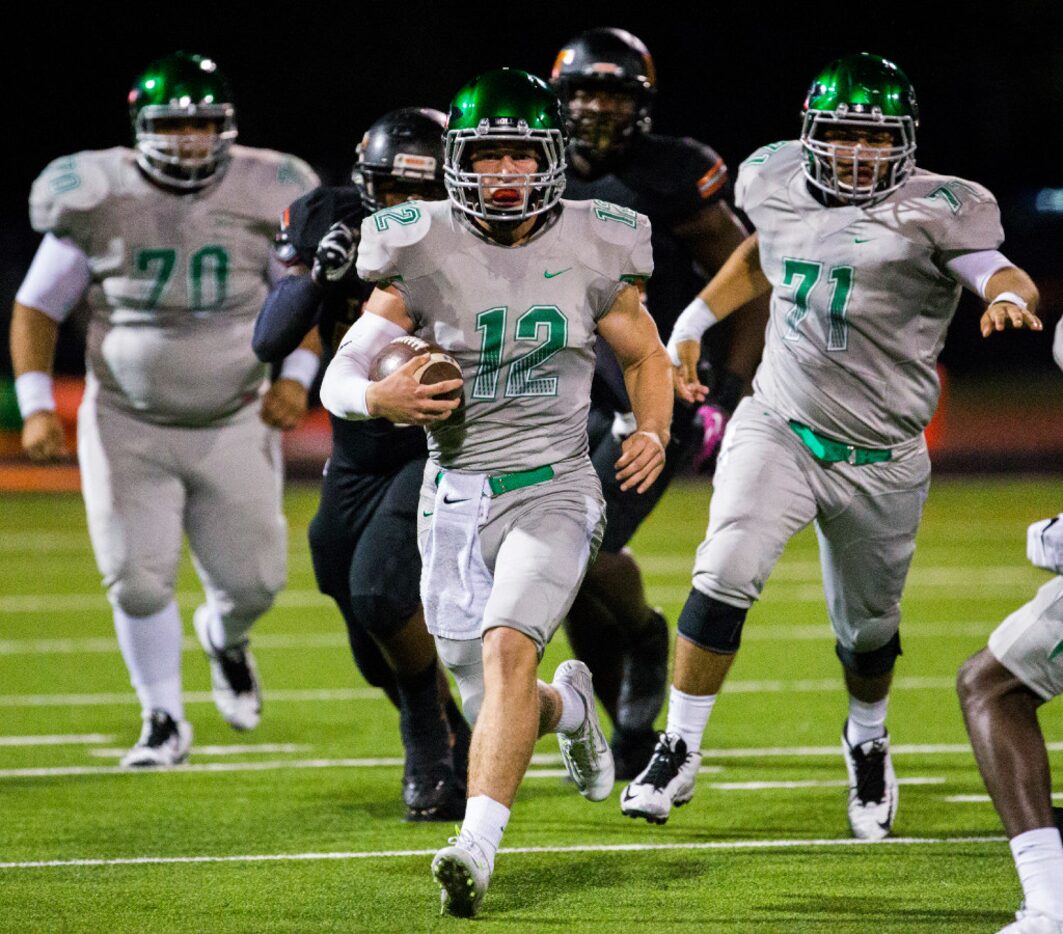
550,275
451,502
862,239
425,514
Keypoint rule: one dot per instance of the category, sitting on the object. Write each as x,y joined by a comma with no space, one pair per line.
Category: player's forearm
1014,280
288,314
33,339
649,384
739,281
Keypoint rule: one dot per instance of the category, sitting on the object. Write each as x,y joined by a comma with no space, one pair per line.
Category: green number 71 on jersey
803,275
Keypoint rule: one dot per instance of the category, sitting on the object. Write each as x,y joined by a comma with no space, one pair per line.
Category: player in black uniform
363,540
606,81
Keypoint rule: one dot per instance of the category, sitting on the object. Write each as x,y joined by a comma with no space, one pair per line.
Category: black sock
425,732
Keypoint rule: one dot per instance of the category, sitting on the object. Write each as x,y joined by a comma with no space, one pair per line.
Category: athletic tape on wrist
695,320
34,393
1012,297
301,365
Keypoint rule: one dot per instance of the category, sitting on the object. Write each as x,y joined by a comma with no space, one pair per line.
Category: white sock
573,711
1039,861
688,715
486,820
151,647
866,721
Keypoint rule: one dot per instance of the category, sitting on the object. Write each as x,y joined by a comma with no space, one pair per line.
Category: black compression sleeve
289,312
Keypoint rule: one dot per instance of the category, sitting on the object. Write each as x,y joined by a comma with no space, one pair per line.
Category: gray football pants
768,486
144,484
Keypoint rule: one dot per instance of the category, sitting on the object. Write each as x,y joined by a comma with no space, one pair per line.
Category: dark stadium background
310,77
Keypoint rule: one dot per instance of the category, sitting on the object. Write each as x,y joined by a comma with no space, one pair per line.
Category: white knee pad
464,660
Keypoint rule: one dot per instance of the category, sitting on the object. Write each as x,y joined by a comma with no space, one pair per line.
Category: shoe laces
668,758
236,669
468,842
870,772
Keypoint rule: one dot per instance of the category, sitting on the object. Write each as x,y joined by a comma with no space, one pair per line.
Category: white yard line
82,739
124,698
97,601
913,629
247,748
985,799
583,848
840,783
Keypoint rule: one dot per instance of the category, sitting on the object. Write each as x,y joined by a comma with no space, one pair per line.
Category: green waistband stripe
831,451
507,482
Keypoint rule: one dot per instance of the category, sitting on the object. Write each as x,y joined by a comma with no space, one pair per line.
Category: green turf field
297,826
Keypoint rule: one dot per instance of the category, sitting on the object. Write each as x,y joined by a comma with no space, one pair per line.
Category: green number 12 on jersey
531,326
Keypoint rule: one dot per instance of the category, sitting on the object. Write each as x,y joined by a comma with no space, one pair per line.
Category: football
440,366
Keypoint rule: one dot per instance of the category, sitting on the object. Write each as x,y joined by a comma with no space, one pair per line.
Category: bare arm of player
284,403
33,339
712,235
631,333
346,390
1004,286
739,281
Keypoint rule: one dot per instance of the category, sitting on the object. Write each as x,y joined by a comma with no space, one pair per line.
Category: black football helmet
402,155
611,62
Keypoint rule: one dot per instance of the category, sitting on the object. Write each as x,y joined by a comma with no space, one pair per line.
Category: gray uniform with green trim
177,280
169,436
521,322
860,306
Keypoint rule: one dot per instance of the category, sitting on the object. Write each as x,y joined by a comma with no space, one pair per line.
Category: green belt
831,451
507,482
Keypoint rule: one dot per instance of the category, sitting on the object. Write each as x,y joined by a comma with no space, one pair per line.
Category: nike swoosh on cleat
551,275
1058,650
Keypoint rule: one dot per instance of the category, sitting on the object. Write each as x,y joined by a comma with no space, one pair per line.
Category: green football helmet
505,106
853,95
171,93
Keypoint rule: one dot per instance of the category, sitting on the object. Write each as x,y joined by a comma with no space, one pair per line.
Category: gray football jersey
520,321
177,279
860,302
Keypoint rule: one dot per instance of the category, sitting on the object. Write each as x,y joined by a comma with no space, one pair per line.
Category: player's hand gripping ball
439,367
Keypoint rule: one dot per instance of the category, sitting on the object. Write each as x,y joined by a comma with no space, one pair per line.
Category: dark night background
309,78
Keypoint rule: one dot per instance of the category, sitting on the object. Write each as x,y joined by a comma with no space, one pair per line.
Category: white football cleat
463,872
1033,922
667,781
233,677
872,787
586,753
163,742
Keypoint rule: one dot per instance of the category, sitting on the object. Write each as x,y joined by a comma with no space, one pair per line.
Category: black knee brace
871,664
712,624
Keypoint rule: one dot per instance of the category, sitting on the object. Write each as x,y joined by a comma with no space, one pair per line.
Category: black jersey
669,179
374,445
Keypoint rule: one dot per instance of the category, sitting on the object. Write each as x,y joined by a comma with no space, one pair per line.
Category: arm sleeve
347,376
1057,345
974,269
57,279
290,311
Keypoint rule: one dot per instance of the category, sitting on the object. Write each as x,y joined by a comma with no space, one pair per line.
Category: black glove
335,255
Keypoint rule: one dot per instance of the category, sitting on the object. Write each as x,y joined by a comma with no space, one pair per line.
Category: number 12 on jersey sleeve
802,275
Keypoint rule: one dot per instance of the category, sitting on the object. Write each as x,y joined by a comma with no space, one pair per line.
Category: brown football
440,367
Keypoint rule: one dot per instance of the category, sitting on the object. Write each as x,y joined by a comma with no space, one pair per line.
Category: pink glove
713,421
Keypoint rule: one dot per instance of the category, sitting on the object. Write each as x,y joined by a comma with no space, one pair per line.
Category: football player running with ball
515,284
865,257
171,244
606,81
363,539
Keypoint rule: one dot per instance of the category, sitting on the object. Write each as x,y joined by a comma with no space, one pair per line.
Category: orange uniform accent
713,180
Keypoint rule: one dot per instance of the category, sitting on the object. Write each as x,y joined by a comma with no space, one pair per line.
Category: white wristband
1010,297
695,320
34,393
301,365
